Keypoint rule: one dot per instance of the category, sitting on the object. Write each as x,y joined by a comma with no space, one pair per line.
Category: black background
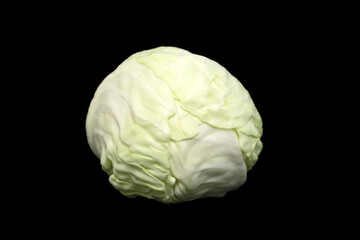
69,191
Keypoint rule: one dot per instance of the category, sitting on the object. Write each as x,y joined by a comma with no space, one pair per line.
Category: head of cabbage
173,126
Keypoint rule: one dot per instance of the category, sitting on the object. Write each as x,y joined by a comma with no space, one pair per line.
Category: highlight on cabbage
173,126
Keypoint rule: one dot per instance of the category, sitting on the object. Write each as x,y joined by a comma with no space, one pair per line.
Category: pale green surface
173,126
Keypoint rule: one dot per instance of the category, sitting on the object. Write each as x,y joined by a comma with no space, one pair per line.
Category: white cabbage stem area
173,126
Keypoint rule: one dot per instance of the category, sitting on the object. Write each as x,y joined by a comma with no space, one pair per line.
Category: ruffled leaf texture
173,126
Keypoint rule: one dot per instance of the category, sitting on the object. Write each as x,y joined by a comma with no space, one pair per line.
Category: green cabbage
173,126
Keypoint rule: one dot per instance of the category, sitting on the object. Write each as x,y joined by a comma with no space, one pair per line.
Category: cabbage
173,126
